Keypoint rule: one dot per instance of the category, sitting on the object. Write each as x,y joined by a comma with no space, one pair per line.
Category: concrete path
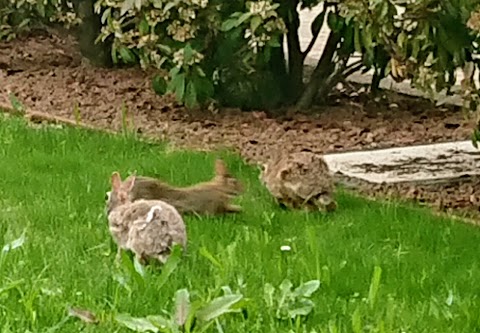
422,163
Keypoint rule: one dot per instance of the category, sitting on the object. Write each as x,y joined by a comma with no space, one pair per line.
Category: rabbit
209,198
148,228
300,180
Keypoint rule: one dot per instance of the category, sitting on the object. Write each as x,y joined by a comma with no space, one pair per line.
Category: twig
310,45
39,117
352,68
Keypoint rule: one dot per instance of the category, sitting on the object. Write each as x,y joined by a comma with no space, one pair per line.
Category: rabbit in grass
210,198
300,180
148,228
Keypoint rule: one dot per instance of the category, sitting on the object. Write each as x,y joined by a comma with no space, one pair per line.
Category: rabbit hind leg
230,208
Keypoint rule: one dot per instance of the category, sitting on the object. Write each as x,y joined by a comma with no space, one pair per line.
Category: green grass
52,186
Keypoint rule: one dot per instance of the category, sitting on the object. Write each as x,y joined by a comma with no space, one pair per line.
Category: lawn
52,188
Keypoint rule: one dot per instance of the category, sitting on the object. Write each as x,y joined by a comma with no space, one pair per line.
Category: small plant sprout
288,304
76,113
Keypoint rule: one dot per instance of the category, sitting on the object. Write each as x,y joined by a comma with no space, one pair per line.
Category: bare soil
46,73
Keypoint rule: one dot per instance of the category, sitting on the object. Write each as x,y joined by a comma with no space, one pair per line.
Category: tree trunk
288,11
99,53
278,68
324,69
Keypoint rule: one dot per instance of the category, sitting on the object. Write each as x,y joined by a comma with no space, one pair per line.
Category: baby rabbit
300,180
149,228
209,198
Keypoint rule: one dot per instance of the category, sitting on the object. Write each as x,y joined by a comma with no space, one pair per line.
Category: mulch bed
46,73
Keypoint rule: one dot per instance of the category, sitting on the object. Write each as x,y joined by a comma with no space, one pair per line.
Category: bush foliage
231,51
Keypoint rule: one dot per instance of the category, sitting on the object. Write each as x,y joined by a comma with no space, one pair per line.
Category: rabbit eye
107,195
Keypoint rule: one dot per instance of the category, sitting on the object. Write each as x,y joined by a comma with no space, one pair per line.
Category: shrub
232,51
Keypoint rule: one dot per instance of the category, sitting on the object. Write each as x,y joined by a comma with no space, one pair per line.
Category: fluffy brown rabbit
148,228
209,198
300,180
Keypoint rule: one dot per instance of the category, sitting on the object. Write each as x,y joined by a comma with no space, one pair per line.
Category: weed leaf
136,324
182,306
218,307
15,243
301,308
307,289
159,321
170,266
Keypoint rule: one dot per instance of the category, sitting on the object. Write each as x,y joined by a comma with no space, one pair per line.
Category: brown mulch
46,74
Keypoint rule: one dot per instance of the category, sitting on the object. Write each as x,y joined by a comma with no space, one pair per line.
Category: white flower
285,248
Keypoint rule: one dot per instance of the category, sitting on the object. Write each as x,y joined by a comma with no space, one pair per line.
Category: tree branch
352,68
310,46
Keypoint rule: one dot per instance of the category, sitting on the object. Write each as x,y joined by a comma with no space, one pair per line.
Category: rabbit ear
220,168
129,182
116,181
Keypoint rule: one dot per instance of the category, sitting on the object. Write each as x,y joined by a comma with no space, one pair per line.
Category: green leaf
204,88
174,72
268,292
384,11
15,244
159,85
317,23
356,321
138,267
126,54
128,264
255,23
16,104
159,321
474,139
367,38
228,25
41,8
135,324
138,4
332,21
205,253
170,266
126,6
113,53
182,306
356,39
218,307
179,87
106,14
191,95
374,285
169,5
285,294
187,53
235,20
307,289
347,47
143,27
243,18
302,308
164,48
274,42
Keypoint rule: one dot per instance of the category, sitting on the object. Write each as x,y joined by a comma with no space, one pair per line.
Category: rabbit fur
300,180
209,198
148,228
